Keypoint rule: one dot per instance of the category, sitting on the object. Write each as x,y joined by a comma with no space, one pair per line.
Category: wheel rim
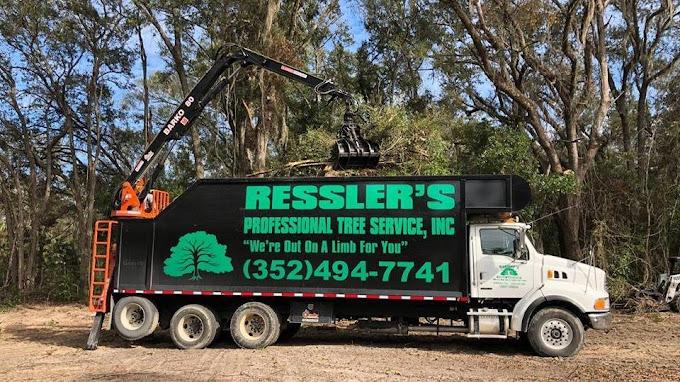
132,316
190,328
557,334
253,326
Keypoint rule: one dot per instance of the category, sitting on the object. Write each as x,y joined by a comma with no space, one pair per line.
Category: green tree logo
195,252
509,270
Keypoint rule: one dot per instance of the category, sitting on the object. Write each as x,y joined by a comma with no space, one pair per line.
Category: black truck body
400,239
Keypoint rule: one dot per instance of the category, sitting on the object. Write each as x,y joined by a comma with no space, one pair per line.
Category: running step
503,336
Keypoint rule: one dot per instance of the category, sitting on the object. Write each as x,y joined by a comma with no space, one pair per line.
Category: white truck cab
552,299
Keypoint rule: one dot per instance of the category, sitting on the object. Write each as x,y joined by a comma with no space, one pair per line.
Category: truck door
497,272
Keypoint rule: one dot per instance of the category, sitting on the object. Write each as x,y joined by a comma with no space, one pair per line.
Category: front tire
135,317
555,332
255,325
193,327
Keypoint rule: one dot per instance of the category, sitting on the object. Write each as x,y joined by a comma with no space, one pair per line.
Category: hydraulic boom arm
351,151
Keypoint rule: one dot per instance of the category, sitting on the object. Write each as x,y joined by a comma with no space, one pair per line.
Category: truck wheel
254,325
135,317
555,332
675,304
288,331
193,327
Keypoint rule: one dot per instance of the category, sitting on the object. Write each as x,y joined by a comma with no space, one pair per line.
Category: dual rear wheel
191,327
135,317
253,325
194,327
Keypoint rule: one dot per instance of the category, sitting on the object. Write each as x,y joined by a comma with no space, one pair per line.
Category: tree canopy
579,97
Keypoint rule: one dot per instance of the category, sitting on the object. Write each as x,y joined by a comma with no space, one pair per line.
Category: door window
497,241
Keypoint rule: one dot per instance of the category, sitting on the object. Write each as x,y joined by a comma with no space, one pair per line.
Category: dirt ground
43,342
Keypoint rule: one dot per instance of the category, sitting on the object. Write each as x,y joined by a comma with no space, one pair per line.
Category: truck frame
260,257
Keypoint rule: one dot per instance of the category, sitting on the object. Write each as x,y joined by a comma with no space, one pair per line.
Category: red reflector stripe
463,299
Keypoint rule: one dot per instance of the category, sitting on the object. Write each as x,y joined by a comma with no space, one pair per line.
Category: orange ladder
102,266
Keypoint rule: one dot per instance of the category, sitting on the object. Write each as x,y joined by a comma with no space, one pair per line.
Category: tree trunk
253,125
199,168
148,134
642,128
568,224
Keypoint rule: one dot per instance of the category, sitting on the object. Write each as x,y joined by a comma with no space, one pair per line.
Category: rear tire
135,317
288,331
255,325
193,327
555,332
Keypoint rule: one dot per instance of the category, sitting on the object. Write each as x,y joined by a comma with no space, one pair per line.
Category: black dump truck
261,256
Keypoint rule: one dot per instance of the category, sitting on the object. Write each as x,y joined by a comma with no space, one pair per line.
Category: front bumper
601,321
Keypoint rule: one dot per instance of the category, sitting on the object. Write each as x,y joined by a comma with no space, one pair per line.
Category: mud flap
95,331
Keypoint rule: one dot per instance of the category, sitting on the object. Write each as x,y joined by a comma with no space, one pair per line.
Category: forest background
579,97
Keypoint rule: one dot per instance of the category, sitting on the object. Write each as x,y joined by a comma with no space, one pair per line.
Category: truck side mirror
521,252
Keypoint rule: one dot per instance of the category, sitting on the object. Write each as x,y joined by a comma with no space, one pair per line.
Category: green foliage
10,299
313,144
496,150
503,150
59,262
390,62
412,144
195,252
620,273
629,209
62,280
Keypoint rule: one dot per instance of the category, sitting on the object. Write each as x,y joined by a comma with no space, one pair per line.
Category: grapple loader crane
350,151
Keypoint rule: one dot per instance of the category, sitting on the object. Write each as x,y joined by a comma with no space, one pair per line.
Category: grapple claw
351,150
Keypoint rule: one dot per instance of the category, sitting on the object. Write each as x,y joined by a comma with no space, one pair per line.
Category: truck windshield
498,241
